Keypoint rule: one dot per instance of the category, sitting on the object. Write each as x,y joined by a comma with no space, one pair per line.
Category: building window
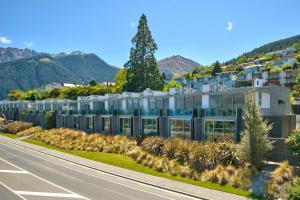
149,126
215,101
181,128
218,130
90,123
125,125
106,124
238,101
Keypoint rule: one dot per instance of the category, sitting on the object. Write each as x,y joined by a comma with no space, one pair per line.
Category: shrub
294,191
242,178
17,126
153,145
294,140
281,179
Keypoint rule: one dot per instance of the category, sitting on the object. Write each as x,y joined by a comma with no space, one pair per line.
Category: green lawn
11,135
128,163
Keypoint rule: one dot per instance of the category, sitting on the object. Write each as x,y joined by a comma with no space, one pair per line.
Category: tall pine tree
255,144
141,69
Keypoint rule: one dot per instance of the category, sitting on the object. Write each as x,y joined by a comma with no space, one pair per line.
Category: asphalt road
26,174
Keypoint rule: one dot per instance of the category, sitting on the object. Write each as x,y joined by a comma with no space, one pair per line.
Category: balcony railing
218,112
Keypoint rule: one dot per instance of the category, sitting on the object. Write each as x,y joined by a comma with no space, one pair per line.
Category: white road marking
48,194
43,180
11,190
171,192
13,171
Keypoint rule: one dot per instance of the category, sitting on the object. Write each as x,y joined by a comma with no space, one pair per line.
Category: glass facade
181,128
106,124
218,130
149,126
125,125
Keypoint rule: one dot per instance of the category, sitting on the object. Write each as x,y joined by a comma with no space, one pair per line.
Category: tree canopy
141,69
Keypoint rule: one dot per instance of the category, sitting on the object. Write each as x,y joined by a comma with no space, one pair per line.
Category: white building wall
205,101
265,103
145,105
106,106
124,104
172,103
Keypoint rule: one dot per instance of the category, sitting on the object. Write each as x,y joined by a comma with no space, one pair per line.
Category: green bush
50,119
294,192
294,140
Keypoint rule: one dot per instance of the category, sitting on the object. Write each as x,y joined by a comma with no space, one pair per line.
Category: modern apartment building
212,113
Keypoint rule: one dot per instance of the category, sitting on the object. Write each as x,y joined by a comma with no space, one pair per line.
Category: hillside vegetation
270,47
28,73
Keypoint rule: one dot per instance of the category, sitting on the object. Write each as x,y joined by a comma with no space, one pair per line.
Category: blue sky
203,30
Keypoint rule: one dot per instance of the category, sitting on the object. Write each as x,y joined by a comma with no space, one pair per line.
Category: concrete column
59,121
82,122
172,103
136,125
115,124
97,123
78,106
70,121
91,105
164,129
199,133
239,125
146,105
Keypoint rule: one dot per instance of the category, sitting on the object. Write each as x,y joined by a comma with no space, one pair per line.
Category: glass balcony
150,112
217,112
180,113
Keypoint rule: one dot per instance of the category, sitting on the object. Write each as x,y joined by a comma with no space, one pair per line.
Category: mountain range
25,68
176,65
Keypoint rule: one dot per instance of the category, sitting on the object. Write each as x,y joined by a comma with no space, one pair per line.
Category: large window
125,125
149,126
180,128
215,101
106,124
218,130
90,123
239,101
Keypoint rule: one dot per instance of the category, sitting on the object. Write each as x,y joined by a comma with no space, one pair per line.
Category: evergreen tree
141,69
217,68
93,82
255,144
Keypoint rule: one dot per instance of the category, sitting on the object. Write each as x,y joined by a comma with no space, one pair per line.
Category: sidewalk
192,190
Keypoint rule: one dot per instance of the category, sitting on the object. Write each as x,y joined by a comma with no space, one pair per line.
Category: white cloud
132,24
29,44
229,26
4,40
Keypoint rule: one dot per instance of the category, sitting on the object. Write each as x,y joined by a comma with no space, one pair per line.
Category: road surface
26,174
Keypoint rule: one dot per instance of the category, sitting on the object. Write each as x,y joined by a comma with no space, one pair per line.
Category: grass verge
128,163
10,135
